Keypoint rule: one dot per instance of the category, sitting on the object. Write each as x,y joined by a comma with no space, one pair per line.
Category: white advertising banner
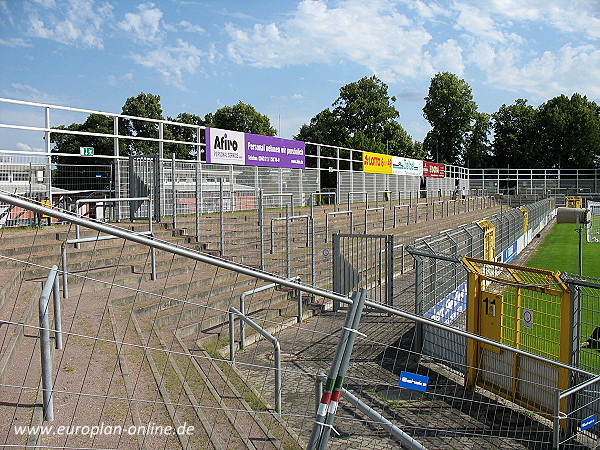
407,166
225,146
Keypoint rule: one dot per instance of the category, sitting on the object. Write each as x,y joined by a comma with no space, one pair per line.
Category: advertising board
234,147
377,163
407,166
433,170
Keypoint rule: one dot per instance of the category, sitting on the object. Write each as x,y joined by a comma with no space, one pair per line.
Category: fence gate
145,180
525,308
364,261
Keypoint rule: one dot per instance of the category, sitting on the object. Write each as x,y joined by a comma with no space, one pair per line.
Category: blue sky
290,58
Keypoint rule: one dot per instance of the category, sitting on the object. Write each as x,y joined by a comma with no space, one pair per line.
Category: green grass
559,251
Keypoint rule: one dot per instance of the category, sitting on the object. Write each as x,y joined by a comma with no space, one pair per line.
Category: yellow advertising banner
377,163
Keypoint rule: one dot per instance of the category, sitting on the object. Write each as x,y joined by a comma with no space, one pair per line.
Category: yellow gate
489,239
525,219
529,309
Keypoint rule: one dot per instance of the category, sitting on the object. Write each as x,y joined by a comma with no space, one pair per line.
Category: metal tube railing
312,200
276,348
63,256
335,213
380,208
50,286
407,213
250,292
81,201
288,218
245,270
365,193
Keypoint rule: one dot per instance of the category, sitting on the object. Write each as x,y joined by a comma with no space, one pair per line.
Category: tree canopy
450,110
515,136
241,117
363,117
563,132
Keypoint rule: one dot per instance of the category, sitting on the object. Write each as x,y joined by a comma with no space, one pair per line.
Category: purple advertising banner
232,147
274,152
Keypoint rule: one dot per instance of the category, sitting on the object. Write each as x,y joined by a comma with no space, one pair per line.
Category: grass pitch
559,251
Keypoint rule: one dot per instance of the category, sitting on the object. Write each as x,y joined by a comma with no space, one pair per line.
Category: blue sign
509,253
450,307
413,381
98,176
588,423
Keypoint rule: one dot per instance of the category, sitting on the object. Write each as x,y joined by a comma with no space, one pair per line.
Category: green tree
147,106
186,134
450,110
365,107
516,142
363,117
75,172
241,117
324,128
569,132
478,147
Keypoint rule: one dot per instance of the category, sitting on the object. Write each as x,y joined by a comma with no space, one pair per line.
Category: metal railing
256,274
276,349
51,286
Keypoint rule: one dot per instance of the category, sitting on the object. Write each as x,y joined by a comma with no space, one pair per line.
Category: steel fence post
173,190
232,336
556,425
221,218
58,342
325,399
319,389
63,263
287,241
389,241
343,368
45,354
261,229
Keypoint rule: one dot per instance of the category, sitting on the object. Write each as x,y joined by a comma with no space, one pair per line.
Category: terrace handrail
50,287
276,349
257,290
335,213
246,270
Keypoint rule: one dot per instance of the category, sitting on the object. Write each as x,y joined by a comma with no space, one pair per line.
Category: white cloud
5,13
26,92
145,25
448,58
372,34
571,69
172,62
477,23
427,10
82,26
190,27
15,42
116,81
576,16
46,3
23,147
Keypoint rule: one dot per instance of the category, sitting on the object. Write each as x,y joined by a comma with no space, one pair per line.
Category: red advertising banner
433,170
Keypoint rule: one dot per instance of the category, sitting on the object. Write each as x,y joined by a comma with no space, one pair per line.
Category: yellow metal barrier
574,202
525,219
529,309
489,239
